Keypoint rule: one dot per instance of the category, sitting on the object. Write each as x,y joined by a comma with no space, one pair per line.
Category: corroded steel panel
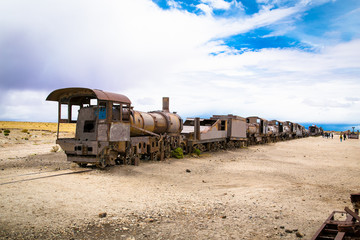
102,132
238,128
86,124
214,134
119,131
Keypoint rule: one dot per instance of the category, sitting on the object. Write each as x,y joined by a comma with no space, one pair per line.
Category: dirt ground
282,190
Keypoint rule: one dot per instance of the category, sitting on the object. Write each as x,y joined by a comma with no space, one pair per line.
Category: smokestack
197,128
165,107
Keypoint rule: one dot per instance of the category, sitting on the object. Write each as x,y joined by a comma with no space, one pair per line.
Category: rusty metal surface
353,134
67,93
190,129
166,103
314,130
205,129
119,131
334,228
355,200
236,125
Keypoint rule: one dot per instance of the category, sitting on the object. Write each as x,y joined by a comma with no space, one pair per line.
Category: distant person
340,137
344,136
332,135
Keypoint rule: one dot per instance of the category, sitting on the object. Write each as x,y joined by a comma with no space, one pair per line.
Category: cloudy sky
296,60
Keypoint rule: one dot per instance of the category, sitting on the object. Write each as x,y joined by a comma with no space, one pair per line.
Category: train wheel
135,160
154,156
230,145
167,151
183,147
101,164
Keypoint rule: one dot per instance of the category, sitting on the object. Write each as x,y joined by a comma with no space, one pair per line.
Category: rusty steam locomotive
109,131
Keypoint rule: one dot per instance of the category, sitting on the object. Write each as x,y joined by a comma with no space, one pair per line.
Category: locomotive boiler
109,131
275,129
257,130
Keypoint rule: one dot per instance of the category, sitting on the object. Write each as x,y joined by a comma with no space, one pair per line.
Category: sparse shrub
55,148
6,132
177,153
24,131
197,151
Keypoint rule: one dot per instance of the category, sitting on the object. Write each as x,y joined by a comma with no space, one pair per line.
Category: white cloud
173,4
218,4
135,48
205,8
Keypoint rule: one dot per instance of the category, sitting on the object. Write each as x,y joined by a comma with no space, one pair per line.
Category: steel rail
32,173
42,177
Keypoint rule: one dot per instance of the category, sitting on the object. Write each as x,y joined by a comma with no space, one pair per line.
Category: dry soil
281,190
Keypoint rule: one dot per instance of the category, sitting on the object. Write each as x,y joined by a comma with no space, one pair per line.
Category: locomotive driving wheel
104,160
101,164
135,160
230,145
154,156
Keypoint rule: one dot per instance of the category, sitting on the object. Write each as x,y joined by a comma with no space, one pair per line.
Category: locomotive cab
99,117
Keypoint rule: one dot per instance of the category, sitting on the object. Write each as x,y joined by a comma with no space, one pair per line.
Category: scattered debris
335,228
149,220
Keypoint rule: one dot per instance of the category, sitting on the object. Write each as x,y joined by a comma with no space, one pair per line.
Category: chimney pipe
197,128
165,107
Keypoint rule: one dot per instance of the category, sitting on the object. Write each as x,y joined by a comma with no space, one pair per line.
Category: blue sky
296,60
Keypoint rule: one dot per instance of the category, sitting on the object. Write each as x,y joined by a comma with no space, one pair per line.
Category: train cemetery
276,190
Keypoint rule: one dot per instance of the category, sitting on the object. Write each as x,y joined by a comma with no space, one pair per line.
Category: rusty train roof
66,93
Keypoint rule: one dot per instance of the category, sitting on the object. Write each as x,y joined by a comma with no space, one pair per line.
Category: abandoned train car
315,130
218,132
109,131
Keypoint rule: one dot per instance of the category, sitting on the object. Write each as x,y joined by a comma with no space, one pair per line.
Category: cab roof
65,94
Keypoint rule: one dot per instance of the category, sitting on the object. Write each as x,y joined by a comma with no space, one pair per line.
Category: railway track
11,179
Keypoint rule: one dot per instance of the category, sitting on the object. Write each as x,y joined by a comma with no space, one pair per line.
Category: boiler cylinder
159,122
252,128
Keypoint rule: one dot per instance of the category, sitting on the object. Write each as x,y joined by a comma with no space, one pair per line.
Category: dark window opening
116,112
126,113
89,126
77,148
222,125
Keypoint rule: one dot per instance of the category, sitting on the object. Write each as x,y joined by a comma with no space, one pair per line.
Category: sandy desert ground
281,190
